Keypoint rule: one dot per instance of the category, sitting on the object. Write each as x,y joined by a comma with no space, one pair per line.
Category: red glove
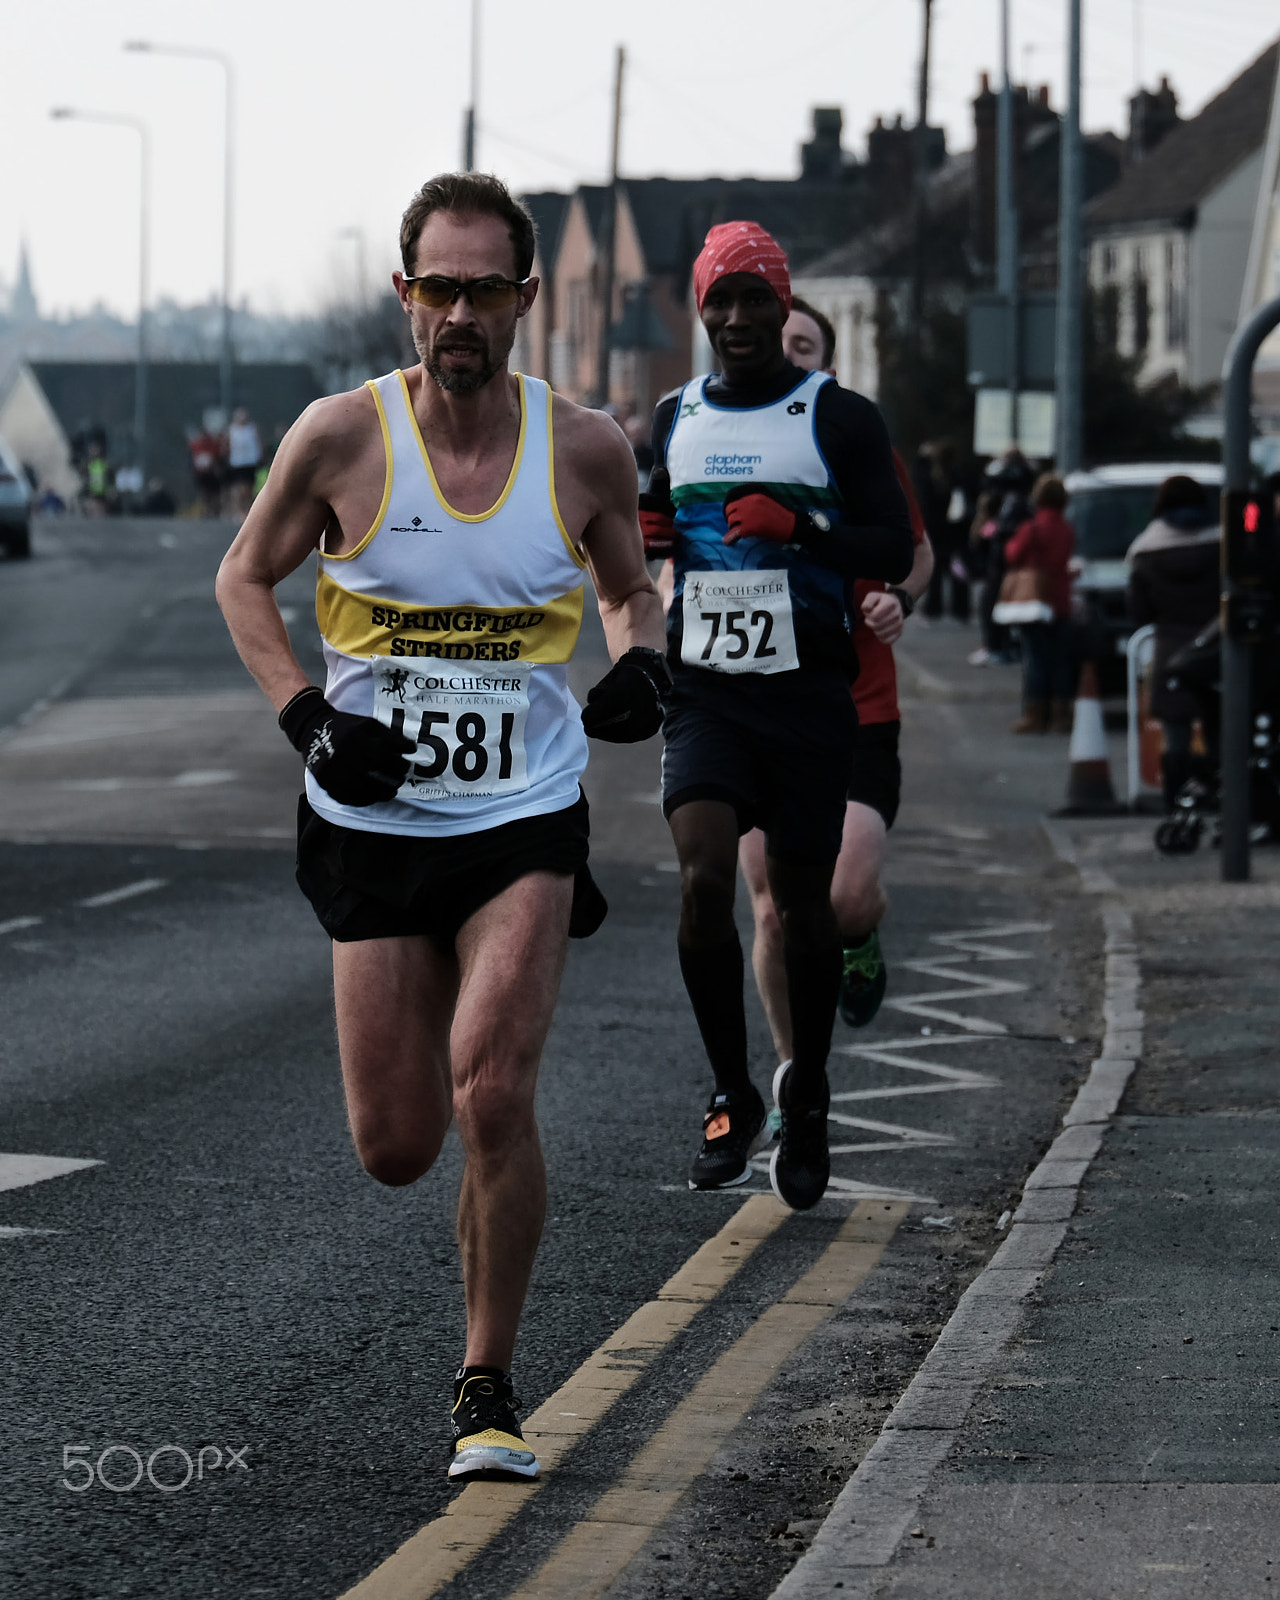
657,517
755,514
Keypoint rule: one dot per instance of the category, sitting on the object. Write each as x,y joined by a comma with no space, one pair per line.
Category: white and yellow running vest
456,631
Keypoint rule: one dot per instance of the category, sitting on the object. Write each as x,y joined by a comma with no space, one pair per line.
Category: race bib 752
739,622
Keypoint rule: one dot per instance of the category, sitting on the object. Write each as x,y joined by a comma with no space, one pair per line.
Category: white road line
17,1172
18,1233
127,892
16,924
201,778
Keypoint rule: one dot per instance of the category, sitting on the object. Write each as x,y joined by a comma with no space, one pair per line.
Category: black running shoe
733,1129
800,1166
863,981
487,1441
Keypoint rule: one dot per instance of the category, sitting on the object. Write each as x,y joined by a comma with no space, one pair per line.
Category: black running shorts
389,885
877,771
777,748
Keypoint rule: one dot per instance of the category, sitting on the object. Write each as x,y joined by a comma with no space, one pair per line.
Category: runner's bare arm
629,604
285,524
881,611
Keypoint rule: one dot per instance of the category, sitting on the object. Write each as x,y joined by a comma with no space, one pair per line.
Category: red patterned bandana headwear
741,247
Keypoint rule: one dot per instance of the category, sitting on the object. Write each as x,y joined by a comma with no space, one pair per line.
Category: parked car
15,505
1110,506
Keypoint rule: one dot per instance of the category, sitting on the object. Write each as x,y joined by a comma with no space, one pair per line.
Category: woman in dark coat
1174,582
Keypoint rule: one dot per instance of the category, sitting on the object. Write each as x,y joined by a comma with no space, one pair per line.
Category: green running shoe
863,984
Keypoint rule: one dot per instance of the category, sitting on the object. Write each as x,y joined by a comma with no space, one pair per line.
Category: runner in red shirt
856,894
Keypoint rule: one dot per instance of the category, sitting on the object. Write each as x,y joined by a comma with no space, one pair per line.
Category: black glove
657,516
627,704
355,759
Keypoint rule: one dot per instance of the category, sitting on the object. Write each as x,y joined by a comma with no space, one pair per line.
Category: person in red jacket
1046,543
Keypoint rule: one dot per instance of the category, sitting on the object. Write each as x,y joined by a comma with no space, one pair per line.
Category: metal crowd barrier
1139,649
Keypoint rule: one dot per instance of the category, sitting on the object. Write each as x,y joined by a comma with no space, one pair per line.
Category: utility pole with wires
469,126
1008,274
920,197
1069,361
608,236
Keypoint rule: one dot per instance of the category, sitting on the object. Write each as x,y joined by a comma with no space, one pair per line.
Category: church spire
23,307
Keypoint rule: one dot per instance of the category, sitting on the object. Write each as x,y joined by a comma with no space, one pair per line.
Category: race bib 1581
739,622
468,726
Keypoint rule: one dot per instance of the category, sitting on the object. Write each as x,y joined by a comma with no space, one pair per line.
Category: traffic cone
1089,791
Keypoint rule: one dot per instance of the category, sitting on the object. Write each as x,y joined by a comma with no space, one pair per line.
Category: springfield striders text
460,621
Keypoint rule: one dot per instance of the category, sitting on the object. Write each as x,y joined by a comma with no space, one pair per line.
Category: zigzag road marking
890,1054
968,945
902,1137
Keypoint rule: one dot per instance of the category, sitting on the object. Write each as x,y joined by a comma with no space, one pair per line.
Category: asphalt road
225,1279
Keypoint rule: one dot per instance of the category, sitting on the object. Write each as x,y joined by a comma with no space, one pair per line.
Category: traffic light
1249,564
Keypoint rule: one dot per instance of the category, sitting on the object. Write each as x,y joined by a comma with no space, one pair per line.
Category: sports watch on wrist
904,600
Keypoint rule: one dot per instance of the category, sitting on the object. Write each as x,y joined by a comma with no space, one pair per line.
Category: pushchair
1197,802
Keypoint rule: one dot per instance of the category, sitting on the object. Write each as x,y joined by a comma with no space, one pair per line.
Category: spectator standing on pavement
857,897
934,482
775,491
1009,480
456,508
1174,582
205,449
1045,545
97,480
244,454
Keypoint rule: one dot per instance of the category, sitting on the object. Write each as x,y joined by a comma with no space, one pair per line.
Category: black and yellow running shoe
487,1442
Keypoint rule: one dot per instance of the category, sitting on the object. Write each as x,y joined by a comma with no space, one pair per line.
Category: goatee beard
462,380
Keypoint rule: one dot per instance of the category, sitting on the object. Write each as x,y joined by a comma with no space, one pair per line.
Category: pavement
1101,1413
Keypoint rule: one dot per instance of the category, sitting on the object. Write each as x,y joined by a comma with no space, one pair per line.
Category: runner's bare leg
403,1008
511,954
767,960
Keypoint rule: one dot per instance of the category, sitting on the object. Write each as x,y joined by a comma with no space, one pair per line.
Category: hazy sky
344,109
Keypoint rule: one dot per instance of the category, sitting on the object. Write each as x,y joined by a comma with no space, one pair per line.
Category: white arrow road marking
127,892
16,1172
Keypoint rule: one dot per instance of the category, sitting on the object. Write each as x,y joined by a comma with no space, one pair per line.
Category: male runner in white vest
455,508
780,493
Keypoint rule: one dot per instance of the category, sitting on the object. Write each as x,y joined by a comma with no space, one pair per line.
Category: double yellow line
597,1549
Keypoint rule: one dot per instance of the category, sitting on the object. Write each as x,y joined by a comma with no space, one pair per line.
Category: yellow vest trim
363,625
579,560
388,474
463,516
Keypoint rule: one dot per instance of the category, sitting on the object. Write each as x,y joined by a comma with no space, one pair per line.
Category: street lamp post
113,119
469,123
197,53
